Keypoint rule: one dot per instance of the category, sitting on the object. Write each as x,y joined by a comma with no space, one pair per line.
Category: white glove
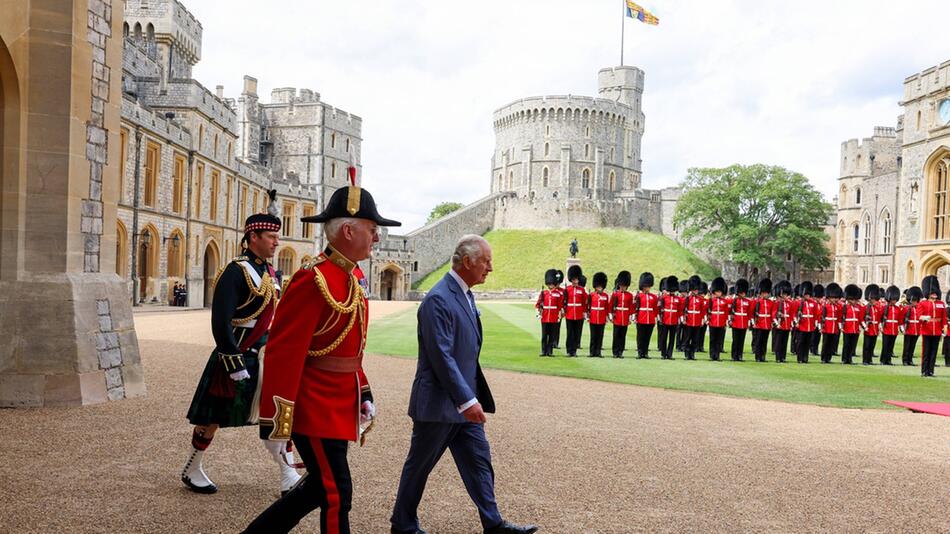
367,412
275,447
237,376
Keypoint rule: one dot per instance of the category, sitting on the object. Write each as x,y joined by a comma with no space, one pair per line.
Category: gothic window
867,234
213,204
153,157
939,187
843,197
612,154
842,236
333,170
547,149
511,179
347,144
586,151
544,177
587,132
333,140
547,130
886,232
857,196
856,231
585,181
612,184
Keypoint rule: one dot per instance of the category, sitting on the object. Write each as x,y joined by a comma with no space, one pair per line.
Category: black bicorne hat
646,279
852,292
624,278
834,291
718,284
550,277
351,201
872,291
600,279
742,286
892,293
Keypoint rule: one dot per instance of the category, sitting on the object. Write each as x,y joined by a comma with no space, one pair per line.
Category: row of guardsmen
805,319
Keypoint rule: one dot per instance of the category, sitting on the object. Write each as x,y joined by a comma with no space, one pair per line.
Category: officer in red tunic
763,312
718,317
830,321
852,314
739,318
806,321
871,324
597,304
695,315
911,326
785,309
891,321
575,309
933,322
620,313
314,388
550,306
670,312
645,311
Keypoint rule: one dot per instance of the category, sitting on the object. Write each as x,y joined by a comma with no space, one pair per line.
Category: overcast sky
727,82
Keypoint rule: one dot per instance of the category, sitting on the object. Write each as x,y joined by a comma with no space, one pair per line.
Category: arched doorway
390,287
285,262
147,262
210,269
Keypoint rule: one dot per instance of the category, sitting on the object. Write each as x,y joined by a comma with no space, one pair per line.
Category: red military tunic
695,310
549,305
597,307
872,318
320,323
933,317
892,319
807,317
830,318
647,307
741,312
785,310
718,312
763,312
671,309
621,307
576,303
911,320
851,317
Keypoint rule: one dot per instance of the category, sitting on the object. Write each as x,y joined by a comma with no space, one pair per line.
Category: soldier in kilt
245,296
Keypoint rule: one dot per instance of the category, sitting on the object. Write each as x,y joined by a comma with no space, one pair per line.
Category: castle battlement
562,108
290,95
139,115
190,93
927,82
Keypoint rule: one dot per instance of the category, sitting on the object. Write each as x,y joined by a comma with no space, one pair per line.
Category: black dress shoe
397,531
510,528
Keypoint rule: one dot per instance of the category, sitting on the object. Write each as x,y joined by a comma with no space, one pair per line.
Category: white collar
459,281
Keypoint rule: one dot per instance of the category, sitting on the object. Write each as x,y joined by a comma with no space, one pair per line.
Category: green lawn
520,257
512,342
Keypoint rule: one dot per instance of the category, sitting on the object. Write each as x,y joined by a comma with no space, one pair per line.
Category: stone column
65,316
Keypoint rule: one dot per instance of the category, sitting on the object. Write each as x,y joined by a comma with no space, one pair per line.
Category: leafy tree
443,209
754,215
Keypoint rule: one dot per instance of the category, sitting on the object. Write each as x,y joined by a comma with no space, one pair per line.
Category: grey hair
332,228
469,246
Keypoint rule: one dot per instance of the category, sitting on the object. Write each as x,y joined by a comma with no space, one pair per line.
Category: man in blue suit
450,396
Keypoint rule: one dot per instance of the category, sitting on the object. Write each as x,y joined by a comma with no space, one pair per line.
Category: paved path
572,455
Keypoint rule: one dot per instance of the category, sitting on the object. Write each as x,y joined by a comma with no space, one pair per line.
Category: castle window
586,151
347,144
939,187
333,170
547,149
654,197
178,182
918,119
289,209
587,132
332,140
511,179
215,185
857,195
153,155
547,130
886,232
842,236
867,234
864,275
612,154
585,181
612,183
856,231
883,274
544,177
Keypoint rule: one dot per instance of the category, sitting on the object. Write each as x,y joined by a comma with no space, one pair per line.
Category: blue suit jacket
447,373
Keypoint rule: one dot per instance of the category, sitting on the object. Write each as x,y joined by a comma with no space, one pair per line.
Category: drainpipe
135,216
191,166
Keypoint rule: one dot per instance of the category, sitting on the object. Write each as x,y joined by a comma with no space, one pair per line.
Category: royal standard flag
637,12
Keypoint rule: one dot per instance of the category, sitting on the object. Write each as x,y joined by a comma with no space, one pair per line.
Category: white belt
624,309
670,311
763,315
741,314
646,309
717,312
890,320
551,307
692,311
915,322
596,308
852,319
577,304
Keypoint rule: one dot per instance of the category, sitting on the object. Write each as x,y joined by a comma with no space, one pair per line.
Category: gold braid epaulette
353,306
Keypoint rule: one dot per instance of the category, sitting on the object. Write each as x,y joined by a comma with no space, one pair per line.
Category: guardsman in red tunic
620,310
852,317
597,304
670,312
661,292
550,306
806,321
740,317
763,312
946,347
819,294
933,322
911,325
891,320
694,317
718,317
830,321
314,389
575,309
646,313
873,311
782,321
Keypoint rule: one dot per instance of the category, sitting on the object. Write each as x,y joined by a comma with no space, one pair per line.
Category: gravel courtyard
570,455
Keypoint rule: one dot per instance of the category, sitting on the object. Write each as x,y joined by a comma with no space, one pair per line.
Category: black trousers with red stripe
326,486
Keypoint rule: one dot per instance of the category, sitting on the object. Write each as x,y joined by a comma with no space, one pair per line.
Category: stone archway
390,283
936,263
211,260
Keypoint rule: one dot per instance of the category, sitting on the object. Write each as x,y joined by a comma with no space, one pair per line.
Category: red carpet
936,408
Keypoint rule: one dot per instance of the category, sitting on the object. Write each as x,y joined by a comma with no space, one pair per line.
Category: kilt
210,405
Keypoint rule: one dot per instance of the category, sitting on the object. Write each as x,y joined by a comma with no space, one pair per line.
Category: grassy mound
521,256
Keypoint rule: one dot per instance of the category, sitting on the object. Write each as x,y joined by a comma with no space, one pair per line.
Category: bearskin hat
623,279
930,286
818,291
672,284
662,285
560,277
783,288
834,291
852,292
703,288
892,293
600,280
732,290
742,286
872,292
695,283
684,286
718,284
582,281
807,288
646,279
765,285
550,277
915,294
574,272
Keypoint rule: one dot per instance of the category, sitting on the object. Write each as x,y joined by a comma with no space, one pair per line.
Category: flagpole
623,15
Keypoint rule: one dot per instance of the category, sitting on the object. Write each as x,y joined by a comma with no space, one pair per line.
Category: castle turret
170,33
249,122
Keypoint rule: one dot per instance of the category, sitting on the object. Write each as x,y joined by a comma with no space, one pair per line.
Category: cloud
726,81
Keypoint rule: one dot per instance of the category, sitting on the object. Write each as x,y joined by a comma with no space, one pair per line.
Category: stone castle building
894,192
194,163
